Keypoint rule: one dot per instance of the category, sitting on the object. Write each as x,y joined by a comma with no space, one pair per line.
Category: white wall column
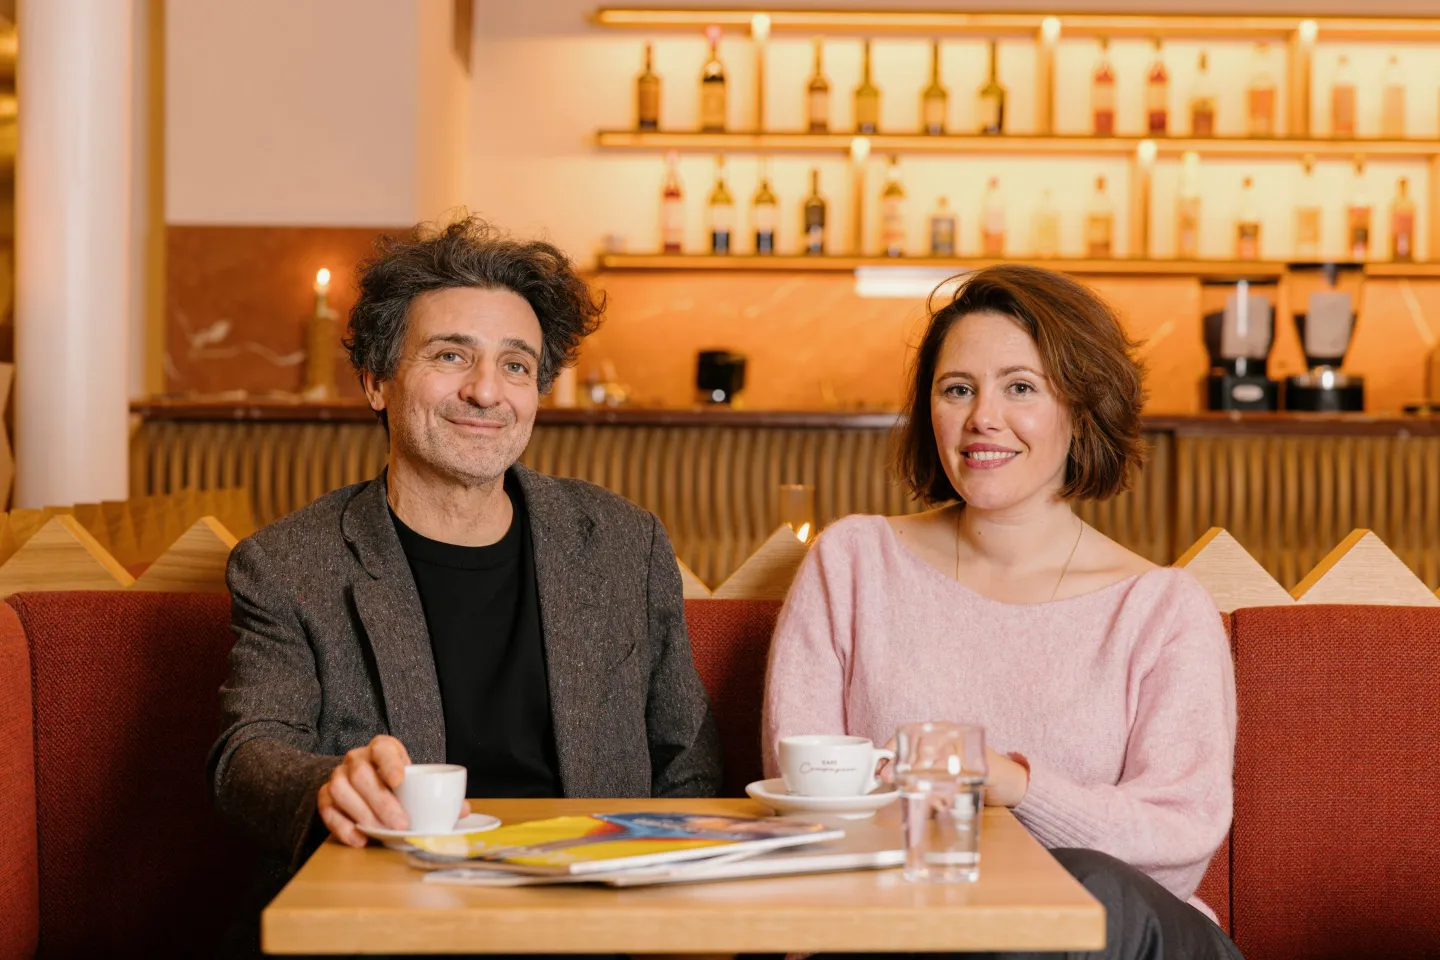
73,249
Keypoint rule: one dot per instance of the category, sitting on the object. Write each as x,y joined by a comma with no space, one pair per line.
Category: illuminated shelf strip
846,264
901,23
750,142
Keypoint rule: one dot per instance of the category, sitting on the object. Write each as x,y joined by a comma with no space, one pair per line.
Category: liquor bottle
672,208
867,100
892,212
722,212
992,221
1402,223
992,98
1045,225
817,94
814,222
1247,224
647,95
1357,216
712,86
944,227
1187,208
1202,101
1260,96
935,99
1099,224
1392,100
1102,93
1157,95
765,206
1342,100
1309,215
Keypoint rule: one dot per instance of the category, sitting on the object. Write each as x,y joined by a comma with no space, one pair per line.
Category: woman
1103,681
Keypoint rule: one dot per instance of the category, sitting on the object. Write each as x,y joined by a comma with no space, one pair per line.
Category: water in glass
940,773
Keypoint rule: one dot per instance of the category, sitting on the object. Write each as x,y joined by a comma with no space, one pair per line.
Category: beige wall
336,112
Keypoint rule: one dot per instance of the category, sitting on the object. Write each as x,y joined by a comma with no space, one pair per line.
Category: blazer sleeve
264,771
684,742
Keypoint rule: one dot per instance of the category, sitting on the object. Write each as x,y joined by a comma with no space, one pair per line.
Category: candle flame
323,277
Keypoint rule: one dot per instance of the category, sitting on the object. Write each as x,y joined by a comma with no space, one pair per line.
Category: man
459,607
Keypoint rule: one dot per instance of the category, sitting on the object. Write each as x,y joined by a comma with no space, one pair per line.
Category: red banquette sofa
109,846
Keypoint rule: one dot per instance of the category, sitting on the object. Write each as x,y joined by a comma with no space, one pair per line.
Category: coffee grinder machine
1326,328
1239,328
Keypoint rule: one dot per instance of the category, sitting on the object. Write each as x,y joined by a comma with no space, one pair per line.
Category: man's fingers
341,827
390,757
377,797
350,803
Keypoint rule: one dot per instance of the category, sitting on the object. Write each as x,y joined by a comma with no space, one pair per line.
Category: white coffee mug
819,765
432,795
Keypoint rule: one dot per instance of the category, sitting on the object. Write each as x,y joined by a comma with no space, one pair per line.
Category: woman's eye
1022,387
957,390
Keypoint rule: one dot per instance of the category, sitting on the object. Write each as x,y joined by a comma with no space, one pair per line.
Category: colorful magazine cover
606,842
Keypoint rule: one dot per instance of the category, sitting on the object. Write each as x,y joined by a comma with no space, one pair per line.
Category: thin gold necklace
1063,570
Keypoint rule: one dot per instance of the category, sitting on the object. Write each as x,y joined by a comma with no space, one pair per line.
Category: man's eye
516,366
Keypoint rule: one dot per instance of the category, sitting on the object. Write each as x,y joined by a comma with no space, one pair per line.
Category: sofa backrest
133,859
19,875
730,641
1336,781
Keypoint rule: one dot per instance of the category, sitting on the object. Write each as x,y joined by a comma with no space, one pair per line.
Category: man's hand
360,791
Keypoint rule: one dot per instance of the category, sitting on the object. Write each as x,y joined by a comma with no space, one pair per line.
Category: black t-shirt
482,609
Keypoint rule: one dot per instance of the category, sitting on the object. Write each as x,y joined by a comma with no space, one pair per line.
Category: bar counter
1288,486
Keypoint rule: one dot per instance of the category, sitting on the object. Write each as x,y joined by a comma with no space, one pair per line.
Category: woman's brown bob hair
1088,359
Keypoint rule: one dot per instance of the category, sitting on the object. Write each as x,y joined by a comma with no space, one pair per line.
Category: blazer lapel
570,606
389,607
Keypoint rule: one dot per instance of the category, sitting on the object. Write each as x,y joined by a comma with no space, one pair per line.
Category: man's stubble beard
467,461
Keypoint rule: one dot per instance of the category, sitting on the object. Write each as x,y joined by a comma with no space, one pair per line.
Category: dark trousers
1143,920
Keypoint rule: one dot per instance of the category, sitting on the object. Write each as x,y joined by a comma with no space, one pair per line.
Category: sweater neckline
915,559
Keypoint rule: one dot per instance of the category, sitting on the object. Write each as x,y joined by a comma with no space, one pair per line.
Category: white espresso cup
820,765
432,795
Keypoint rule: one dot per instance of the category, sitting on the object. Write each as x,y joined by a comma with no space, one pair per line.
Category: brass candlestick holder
320,341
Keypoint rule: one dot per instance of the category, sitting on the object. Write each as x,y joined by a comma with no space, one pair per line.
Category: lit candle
320,343
322,282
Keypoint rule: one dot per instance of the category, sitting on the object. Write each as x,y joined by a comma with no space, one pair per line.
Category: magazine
606,842
870,845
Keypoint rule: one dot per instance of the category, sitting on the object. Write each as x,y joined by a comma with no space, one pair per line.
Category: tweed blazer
332,649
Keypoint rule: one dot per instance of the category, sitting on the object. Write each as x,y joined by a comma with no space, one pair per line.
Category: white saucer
395,839
772,794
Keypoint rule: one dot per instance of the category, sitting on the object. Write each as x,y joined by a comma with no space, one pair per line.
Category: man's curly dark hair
468,253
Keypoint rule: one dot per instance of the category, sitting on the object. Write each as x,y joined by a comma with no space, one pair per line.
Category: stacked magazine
629,849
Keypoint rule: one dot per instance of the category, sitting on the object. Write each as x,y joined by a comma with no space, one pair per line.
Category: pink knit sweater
1122,700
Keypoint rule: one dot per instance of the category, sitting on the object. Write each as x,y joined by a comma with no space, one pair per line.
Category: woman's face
1003,433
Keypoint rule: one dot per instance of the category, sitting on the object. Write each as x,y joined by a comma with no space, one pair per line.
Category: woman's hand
1008,780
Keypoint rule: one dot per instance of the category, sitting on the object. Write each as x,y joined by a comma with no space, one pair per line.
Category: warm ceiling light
760,27
860,149
1309,30
1050,29
1145,151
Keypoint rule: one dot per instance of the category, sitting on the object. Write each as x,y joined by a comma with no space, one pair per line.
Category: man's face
462,402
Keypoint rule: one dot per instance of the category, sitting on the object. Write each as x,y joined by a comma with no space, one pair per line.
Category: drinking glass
940,772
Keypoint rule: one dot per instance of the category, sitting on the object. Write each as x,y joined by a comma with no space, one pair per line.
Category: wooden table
346,900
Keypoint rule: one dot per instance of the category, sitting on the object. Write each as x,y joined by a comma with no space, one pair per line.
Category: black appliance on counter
1238,337
719,377
1326,328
